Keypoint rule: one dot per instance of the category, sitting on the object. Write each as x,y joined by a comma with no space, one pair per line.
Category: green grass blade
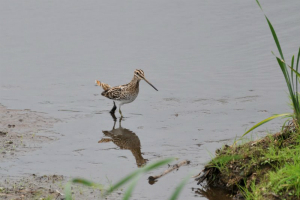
123,181
86,183
275,38
297,67
297,73
292,75
265,121
259,4
131,176
129,191
179,188
68,192
293,94
80,181
155,165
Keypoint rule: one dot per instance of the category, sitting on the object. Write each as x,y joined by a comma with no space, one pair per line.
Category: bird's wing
113,93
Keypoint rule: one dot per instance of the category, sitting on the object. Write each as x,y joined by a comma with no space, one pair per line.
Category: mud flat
23,130
261,169
47,187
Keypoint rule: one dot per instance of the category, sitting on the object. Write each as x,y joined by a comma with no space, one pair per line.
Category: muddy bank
23,130
46,187
245,170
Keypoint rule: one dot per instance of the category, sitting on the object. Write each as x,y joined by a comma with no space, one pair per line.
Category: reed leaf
292,75
259,4
179,188
267,120
131,176
275,37
297,73
68,191
124,181
297,67
86,183
130,188
157,164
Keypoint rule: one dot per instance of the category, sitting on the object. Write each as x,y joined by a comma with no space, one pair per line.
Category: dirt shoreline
22,131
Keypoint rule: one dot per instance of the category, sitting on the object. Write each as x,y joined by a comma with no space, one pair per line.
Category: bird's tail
105,140
103,85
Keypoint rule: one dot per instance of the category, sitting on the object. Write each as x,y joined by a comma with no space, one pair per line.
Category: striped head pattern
138,73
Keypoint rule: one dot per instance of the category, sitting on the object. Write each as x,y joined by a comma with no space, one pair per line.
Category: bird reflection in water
125,139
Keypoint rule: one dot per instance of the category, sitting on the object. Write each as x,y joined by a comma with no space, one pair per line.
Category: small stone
3,133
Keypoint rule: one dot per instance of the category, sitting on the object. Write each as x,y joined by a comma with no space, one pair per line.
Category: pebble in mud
2,133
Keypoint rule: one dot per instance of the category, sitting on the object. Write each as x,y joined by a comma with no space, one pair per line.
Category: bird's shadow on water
125,139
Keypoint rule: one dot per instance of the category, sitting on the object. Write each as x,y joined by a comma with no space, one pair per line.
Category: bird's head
139,74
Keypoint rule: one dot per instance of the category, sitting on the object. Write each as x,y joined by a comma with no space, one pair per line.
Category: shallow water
210,61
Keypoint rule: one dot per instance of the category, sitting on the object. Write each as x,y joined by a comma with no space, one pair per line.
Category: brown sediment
23,130
31,187
45,187
236,167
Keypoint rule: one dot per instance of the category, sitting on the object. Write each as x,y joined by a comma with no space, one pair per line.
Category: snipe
124,94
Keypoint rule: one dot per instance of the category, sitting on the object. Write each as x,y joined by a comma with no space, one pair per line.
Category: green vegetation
131,179
268,168
260,169
291,75
282,180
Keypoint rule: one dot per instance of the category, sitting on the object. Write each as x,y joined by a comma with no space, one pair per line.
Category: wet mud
46,187
22,131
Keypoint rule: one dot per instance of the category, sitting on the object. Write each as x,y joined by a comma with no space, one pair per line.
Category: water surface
211,62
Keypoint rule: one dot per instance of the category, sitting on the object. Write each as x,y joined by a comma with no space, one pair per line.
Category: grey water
210,60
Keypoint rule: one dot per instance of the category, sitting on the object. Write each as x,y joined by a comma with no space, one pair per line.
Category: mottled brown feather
103,85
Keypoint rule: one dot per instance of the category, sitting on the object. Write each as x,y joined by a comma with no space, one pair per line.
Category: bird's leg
120,111
113,109
120,120
113,116
114,124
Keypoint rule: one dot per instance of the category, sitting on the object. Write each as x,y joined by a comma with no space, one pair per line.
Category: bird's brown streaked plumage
124,93
125,139
103,85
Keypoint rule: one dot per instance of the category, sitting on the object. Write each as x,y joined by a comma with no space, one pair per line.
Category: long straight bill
150,84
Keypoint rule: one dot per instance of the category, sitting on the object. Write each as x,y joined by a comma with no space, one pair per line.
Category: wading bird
124,93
